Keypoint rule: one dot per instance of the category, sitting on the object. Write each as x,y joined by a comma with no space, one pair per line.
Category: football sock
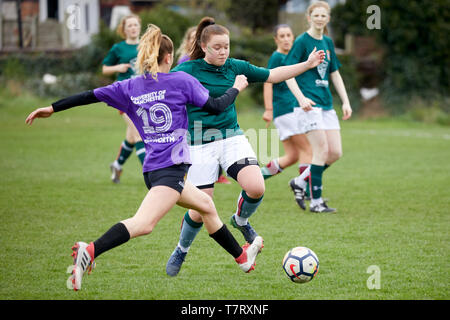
302,167
140,151
189,230
246,206
115,236
126,149
271,169
303,177
224,237
316,181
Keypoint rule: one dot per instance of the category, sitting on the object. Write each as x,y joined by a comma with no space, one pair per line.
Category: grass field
391,188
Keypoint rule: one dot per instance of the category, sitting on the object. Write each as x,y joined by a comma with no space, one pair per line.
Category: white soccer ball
301,264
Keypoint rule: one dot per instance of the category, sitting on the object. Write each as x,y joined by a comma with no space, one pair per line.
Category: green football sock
140,151
316,181
126,149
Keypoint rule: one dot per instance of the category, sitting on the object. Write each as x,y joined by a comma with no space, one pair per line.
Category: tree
256,14
414,35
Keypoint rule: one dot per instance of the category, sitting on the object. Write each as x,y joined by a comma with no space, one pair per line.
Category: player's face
217,49
284,39
319,18
132,28
191,38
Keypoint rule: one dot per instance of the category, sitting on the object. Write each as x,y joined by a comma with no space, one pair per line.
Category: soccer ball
301,264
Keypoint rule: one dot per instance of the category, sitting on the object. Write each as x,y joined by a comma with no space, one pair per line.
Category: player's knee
334,155
206,205
256,191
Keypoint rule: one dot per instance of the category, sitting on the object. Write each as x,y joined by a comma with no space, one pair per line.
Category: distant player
156,103
186,43
121,60
313,94
281,107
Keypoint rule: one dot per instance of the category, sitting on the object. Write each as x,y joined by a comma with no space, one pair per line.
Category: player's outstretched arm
79,99
286,72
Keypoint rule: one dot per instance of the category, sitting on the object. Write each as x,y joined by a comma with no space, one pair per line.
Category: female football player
279,106
313,94
217,140
121,60
186,43
183,52
156,103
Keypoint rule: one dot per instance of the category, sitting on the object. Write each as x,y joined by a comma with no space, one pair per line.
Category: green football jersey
205,127
314,82
122,52
282,98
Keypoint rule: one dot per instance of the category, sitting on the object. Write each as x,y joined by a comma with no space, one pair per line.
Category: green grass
391,189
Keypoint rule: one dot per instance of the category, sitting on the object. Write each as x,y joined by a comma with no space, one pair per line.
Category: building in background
59,24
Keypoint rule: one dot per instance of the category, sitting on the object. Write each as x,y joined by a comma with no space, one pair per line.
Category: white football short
206,158
289,124
319,119
300,121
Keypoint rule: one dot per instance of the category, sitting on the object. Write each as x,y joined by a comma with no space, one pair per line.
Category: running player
217,140
313,94
279,106
121,60
156,103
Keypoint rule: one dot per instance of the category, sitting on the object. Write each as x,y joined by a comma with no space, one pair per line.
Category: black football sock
224,237
117,235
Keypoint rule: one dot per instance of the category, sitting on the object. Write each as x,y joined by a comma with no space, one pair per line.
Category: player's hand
315,58
123,67
240,82
306,104
268,117
39,113
346,111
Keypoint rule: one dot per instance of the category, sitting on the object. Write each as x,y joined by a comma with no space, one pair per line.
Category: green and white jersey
122,52
314,82
282,98
205,127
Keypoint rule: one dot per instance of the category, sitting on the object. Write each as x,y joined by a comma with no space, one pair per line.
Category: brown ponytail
205,29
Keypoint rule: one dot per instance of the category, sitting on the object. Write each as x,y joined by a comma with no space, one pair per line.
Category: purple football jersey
158,111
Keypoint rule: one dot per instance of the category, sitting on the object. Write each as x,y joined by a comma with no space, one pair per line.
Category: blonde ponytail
152,49
148,51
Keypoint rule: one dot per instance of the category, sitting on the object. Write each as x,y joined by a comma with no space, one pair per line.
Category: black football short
173,177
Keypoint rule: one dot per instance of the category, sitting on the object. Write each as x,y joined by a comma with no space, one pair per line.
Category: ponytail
152,49
206,28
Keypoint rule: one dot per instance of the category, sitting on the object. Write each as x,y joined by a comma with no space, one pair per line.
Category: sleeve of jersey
113,95
294,55
195,93
271,63
79,99
252,72
335,63
218,105
111,57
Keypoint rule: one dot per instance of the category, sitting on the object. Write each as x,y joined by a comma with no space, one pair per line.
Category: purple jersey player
156,103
